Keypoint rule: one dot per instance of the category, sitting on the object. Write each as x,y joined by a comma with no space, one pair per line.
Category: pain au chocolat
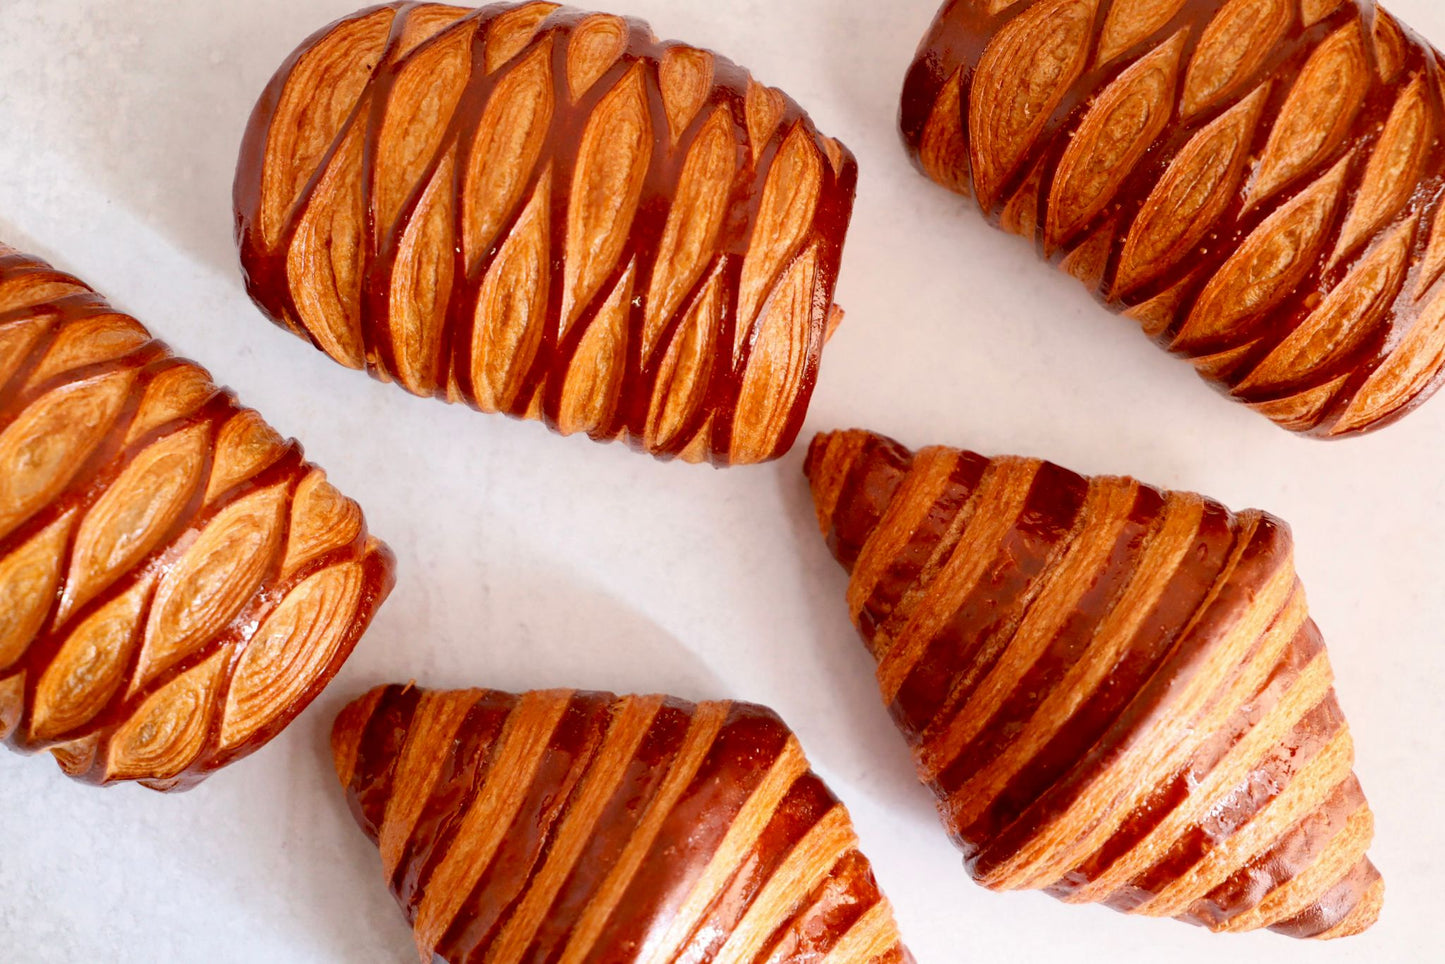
177,583
1116,692
583,827
1259,183
552,214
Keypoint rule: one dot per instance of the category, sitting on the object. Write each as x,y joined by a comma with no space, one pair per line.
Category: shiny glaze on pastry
583,827
1115,692
1260,184
177,583
552,214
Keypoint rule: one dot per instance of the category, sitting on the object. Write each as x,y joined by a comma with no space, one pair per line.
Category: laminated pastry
1115,692
177,582
1260,184
586,828
551,214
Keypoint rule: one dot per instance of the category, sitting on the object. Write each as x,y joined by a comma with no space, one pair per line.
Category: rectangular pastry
551,214
1258,183
177,582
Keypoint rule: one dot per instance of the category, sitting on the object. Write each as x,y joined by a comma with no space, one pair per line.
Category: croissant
549,213
584,827
1115,692
177,583
1257,183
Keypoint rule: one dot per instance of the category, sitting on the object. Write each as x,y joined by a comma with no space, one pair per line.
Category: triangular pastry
1115,692
585,827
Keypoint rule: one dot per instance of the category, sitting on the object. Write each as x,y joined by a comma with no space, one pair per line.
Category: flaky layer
1259,183
176,582
584,827
1116,692
551,214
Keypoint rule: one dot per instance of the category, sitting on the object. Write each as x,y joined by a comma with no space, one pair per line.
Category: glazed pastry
1260,184
551,214
1116,692
584,827
177,583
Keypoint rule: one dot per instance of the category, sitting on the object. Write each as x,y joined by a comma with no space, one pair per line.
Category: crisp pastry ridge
1115,692
585,827
1260,184
177,582
549,213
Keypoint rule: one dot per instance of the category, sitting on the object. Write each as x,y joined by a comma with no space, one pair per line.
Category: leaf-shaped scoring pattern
28,577
1346,318
612,161
511,307
686,370
1257,230
589,395
1394,168
1268,265
215,578
1123,122
1130,21
168,732
1022,78
1316,117
1201,181
510,196
322,520
129,521
290,651
1412,364
1232,49
94,341
89,669
306,124
42,450
148,516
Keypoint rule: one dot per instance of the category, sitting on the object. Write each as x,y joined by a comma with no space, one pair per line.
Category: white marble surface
528,560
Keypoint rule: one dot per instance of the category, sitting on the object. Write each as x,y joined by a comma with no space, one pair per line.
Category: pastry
584,827
1260,184
551,214
177,583
1115,692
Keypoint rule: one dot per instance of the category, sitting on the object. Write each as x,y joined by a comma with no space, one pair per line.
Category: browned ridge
1115,692
1259,183
583,828
552,214
177,582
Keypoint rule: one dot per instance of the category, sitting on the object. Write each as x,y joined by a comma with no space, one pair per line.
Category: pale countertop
530,561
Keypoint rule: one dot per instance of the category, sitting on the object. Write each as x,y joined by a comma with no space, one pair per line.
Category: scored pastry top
1259,183
177,582
1115,692
552,214
586,827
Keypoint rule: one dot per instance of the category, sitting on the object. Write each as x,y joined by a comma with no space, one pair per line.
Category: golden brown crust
177,583
584,827
1260,183
551,214
1116,692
